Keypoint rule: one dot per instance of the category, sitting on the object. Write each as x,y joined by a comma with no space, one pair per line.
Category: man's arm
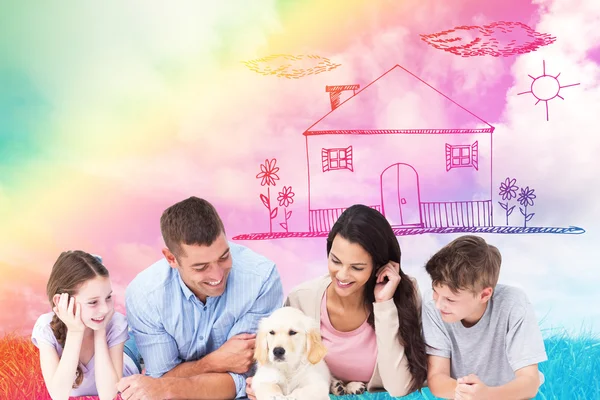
270,298
188,369
438,377
157,347
233,356
201,387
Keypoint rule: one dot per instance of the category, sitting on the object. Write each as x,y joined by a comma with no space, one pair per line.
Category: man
194,313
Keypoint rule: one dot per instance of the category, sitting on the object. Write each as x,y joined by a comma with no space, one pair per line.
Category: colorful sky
112,111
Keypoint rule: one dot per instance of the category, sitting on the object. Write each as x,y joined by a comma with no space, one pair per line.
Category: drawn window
333,159
461,156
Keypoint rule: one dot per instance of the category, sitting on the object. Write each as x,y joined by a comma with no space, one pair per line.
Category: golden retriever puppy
289,354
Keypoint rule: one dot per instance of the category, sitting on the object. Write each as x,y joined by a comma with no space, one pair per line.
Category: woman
368,307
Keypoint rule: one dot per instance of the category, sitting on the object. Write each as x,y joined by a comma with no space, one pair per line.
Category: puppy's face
288,337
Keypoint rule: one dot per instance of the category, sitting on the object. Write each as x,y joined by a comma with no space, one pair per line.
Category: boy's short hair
192,221
466,263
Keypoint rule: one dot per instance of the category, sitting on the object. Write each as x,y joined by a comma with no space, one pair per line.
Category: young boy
483,340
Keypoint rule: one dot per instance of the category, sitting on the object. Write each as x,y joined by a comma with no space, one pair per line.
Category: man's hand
471,388
141,387
236,355
249,391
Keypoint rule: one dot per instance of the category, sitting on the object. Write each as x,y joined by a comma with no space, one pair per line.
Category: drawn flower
285,197
526,197
268,173
508,189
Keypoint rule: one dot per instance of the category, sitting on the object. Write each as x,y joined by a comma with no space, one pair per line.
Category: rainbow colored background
112,111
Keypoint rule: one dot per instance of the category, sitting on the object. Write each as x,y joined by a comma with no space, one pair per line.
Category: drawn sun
546,87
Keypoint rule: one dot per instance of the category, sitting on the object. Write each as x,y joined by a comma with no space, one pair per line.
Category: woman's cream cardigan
391,371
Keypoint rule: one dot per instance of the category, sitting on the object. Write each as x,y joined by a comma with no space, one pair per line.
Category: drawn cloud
499,39
289,66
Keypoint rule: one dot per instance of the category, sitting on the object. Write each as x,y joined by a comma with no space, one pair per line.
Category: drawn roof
399,102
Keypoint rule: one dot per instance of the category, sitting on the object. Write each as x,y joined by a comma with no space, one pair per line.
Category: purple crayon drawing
508,191
526,199
423,179
545,88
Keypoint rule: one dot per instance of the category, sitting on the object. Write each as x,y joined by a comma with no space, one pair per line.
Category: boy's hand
471,388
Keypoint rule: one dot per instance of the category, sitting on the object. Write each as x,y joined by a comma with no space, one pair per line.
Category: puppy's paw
337,387
282,397
355,388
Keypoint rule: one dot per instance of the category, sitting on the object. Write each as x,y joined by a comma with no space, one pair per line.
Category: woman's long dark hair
368,228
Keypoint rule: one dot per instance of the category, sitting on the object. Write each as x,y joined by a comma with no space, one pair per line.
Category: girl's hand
69,312
384,290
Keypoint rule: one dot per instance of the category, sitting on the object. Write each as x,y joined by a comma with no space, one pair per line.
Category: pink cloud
499,39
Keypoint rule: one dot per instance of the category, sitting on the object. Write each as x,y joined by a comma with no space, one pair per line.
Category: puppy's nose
278,351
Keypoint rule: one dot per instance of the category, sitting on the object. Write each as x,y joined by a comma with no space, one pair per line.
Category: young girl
81,343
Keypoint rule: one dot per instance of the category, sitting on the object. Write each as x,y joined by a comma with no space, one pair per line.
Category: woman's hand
384,290
69,312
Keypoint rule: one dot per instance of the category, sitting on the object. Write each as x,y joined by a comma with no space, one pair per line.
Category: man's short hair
193,221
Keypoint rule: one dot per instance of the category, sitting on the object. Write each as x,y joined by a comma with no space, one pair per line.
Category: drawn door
400,195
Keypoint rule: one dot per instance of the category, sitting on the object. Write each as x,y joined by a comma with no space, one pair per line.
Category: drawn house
401,146
384,146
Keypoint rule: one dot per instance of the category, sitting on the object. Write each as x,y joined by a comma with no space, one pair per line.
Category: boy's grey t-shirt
504,340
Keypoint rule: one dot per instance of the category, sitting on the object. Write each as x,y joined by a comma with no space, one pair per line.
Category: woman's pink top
351,356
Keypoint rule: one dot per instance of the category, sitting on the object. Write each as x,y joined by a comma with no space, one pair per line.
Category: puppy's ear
315,348
261,348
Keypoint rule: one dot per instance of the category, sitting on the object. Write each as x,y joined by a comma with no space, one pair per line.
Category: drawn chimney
335,93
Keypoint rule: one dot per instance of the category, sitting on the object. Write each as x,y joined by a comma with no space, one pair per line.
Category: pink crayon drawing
268,175
422,178
285,198
546,87
498,39
290,66
335,92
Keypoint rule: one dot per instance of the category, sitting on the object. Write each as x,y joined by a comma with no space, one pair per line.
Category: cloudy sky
112,112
